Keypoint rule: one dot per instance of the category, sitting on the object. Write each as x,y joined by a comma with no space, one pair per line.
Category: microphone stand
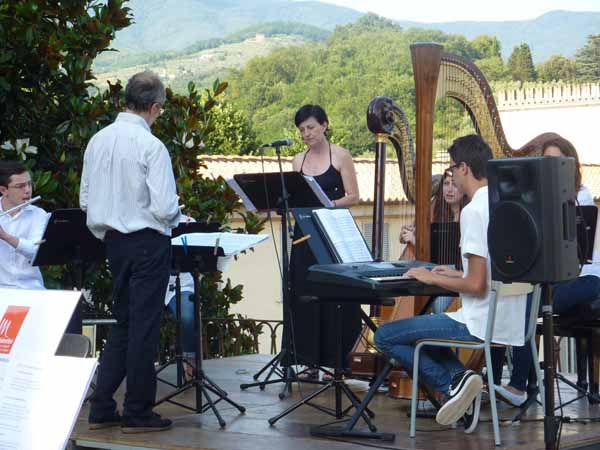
286,231
287,374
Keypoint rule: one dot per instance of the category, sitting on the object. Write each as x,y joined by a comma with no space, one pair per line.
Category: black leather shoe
145,424
96,423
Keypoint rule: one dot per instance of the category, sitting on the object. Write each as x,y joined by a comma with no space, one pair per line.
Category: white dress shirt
127,182
510,313
28,226
584,198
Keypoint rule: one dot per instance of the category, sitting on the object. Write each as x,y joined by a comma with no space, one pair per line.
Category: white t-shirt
509,327
584,198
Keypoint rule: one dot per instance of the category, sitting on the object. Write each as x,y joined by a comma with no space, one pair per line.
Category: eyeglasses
449,171
161,108
21,186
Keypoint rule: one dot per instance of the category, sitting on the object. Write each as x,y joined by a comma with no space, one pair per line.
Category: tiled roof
227,166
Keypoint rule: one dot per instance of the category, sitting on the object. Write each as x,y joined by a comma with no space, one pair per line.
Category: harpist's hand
407,234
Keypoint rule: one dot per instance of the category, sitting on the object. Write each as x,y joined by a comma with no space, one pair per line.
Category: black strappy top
330,181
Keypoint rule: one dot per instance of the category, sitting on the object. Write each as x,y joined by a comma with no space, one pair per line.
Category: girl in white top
565,295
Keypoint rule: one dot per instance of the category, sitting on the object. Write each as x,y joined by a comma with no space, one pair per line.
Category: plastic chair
498,289
76,345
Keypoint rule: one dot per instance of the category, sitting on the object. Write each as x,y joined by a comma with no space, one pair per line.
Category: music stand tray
68,240
265,191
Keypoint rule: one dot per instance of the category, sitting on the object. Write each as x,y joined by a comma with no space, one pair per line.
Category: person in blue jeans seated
188,344
188,337
565,295
440,368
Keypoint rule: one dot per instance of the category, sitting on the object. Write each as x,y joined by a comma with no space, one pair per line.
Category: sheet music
316,188
231,243
343,234
241,194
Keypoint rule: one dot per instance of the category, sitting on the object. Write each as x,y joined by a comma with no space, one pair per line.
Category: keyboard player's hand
447,271
420,273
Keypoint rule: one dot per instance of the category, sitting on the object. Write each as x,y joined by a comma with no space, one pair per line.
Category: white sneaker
465,387
510,397
471,416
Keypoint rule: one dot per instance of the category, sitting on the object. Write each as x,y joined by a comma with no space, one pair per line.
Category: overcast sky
446,10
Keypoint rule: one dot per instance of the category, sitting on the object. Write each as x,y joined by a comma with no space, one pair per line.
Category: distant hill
112,61
556,32
175,24
172,25
202,67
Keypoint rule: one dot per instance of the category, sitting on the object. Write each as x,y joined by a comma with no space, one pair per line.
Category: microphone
281,143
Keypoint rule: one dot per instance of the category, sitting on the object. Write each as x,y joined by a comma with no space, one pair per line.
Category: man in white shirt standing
128,190
20,230
440,367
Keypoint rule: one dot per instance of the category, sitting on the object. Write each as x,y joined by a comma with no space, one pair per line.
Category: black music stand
197,260
279,191
67,240
324,255
179,360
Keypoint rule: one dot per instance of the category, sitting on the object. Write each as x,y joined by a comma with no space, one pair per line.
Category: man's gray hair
144,89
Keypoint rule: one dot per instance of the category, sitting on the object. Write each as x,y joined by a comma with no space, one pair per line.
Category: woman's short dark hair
8,169
568,150
143,90
308,111
474,152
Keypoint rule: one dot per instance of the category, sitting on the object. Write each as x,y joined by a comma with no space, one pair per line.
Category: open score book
342,233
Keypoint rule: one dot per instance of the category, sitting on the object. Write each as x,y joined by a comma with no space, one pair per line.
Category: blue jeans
188,343
441,304
565,296
438,365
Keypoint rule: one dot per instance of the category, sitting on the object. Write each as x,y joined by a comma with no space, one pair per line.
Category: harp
437,76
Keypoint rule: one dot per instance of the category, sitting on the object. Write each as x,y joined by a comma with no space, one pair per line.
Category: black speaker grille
513,239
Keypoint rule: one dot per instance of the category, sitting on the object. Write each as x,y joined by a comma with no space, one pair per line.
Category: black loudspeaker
532,233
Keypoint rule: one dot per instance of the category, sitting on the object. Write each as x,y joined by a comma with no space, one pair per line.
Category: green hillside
162,25
204,66
359,61
173,25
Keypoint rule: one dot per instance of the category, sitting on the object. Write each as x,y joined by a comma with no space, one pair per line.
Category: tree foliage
359,61
47,101
588,59
557,68
520,64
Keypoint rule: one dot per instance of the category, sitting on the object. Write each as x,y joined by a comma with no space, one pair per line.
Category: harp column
378,204
426,74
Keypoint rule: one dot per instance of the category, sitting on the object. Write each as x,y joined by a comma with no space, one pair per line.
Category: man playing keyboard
440,368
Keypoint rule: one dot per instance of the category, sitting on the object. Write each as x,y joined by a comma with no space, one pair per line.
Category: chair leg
538,371
414,396
582,357
492,391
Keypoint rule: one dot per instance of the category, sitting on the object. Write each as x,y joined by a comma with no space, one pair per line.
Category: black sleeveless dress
313,323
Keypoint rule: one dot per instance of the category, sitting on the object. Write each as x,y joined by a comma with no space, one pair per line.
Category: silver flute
22,205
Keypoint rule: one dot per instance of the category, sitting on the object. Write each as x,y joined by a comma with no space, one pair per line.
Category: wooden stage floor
251,431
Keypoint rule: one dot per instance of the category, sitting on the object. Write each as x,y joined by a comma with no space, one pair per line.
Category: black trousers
140,266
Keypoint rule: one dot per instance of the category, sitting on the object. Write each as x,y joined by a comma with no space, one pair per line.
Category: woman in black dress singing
332,167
